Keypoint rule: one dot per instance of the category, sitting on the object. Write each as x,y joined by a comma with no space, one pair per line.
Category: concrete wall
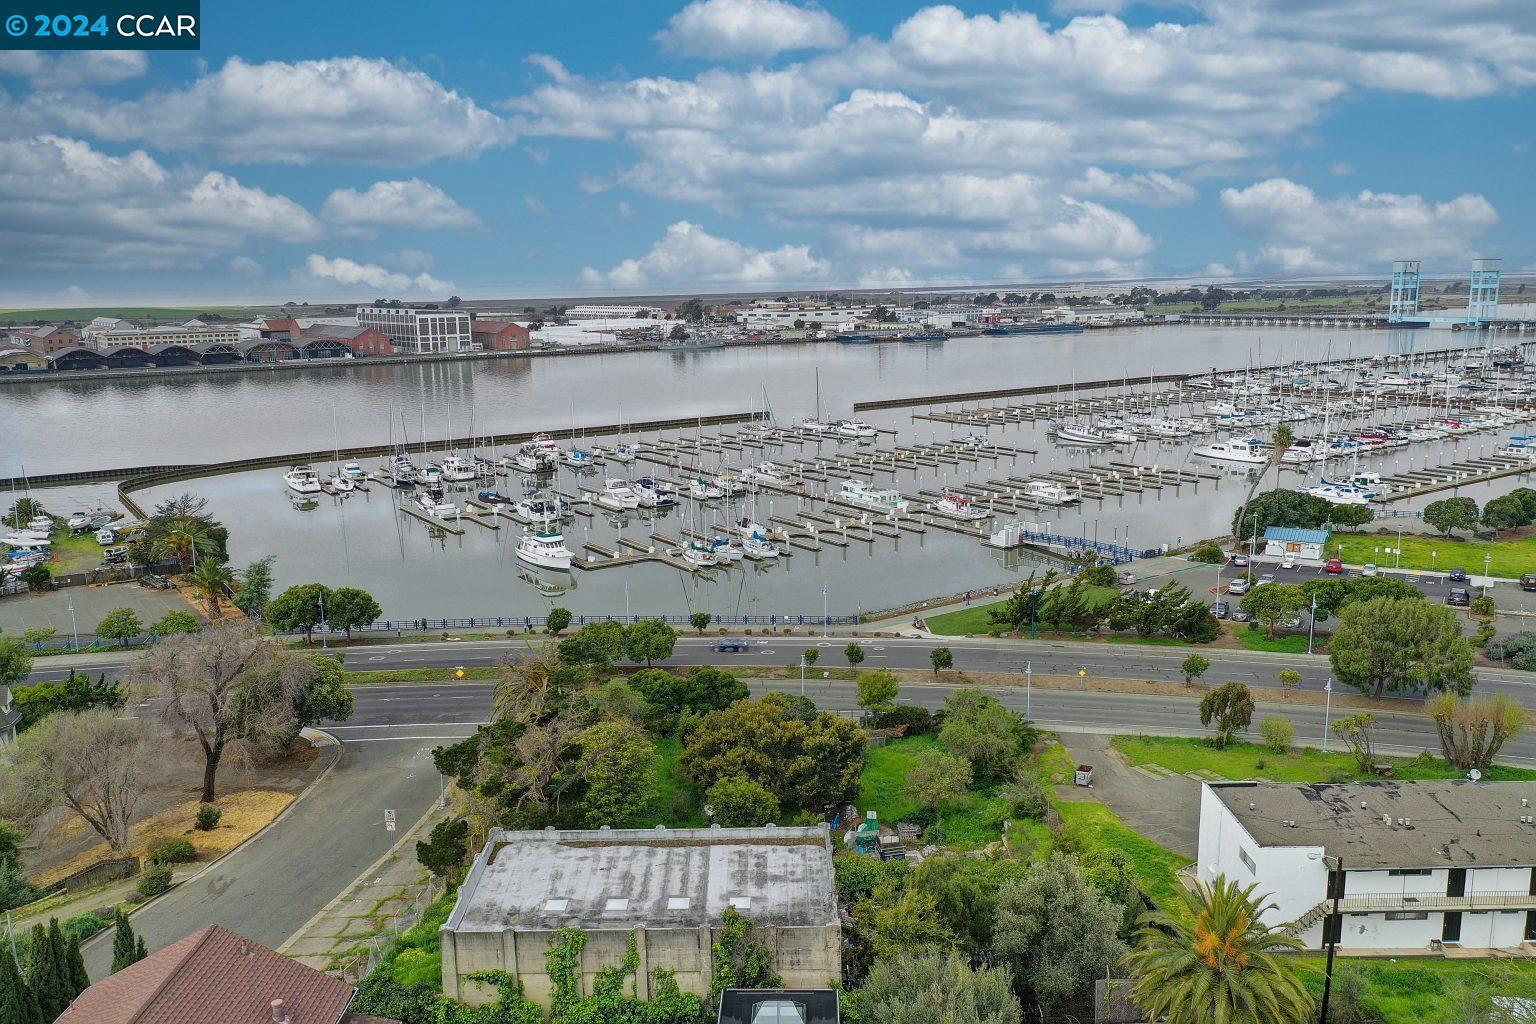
805,957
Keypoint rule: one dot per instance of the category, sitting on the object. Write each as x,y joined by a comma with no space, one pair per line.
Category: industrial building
419,329
668,889
1416,866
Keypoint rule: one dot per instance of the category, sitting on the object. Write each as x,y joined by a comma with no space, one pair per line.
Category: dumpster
1084,776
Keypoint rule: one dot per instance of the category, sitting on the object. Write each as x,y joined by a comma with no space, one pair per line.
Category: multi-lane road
270,887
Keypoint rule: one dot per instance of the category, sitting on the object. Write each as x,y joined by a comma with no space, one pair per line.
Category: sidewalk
347,936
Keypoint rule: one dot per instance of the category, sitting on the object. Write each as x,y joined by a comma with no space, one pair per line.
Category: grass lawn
1408,991
374,677
968,825
1156,868
672,800
73,553
1256,640
1299,764
965,621
1510,558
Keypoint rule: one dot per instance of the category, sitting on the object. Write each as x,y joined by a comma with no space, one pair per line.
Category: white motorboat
1338,495
1200,383
401,469
532,457
618,495
1248,451
958,506
432,502
853,428
577,458
545,442
766,473
353,470
537,510
432,476
302,480
655,493
546,549
1091,435
1048,493
343,484
42,523
974,440
729,483
458,470
79,522
876,499
701,489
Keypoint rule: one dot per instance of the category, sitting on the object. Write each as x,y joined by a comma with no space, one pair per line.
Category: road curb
409,835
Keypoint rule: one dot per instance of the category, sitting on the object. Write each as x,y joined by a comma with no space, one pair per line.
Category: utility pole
1333,926
802,675
823,609
1327,710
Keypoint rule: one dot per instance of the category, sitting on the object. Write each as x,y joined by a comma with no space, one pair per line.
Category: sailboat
816,425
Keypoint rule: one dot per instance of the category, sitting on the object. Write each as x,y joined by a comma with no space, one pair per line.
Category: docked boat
577,458
431,501
618,495
766,473
1047,492
458,470
728,483
539,511
353,470
342,484
655,493
622,453
493,498
876,499
1246,450
958,506
545,549
533,457
401,469
432,476
701,489
755,542
931,336
974,440
1092,435
727,551
1338,495
815,426
853,429
697,553
302,480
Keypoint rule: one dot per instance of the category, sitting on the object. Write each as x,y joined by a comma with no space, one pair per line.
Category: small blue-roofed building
1295,543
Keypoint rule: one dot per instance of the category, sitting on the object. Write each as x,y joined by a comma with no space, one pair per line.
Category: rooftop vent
1252,806
280,1014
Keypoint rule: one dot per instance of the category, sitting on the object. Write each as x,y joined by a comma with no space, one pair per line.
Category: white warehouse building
1425,865
419,329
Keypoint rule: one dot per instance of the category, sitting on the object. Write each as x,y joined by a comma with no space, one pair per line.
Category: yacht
493,498
353,470
622,453
538,510
727,551
458,470
862,495
701,489
957,506
401,469
729,483
532,457
755,543
618,495
545,442
342,484
432,502
544,549
1091,435
302,480
766,473
1338,495
1246,450
577,458
1047,493
853,428
79,522
432,476
815,426
655,493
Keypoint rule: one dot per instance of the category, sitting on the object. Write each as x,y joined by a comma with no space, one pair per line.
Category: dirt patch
246,812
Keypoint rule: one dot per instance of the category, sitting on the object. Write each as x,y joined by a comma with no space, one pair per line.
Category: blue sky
348,150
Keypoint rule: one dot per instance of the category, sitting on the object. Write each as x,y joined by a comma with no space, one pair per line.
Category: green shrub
1210,553
1027,798
1278,733
87,924
919,721
207,818
153,882
1483,605
1098,576
173,851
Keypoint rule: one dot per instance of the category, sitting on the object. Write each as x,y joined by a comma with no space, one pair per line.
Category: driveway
1164,808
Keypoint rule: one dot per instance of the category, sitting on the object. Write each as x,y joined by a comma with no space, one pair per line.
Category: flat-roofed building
1417,865
669,889
609,312
420,330
194,332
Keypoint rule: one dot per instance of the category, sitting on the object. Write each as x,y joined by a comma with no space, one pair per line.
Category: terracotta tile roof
212,976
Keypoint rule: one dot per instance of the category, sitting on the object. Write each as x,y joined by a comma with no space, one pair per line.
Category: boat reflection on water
548,582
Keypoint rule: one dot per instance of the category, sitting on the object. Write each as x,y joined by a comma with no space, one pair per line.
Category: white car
1238,586
1369,569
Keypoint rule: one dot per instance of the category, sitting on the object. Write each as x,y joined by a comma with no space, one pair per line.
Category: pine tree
79,980
140,951
17,1003
46,975
124,950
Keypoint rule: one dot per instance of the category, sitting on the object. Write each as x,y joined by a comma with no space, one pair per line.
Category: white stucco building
418,329
1426,865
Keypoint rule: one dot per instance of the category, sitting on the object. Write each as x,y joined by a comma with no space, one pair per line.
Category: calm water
362,540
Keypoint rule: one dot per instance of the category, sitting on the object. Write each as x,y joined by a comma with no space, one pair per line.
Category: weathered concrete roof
628,878
1393,824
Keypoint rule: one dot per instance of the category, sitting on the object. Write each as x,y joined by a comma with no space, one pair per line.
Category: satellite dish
1474,774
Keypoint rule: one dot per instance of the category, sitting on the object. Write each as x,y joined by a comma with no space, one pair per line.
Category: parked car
1238,615
1293,622
1267,577
1458,575
1528,582
1369,569
1240,561
1459,597
1334,567
155,582
1127,579
731,645
1238,587
1221,609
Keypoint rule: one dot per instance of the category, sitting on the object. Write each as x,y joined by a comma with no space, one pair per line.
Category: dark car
1459,597
1221,609
1528,582
1457,575
731,645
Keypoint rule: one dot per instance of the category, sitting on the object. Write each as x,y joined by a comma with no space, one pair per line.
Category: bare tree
228,687
1473,731
92,762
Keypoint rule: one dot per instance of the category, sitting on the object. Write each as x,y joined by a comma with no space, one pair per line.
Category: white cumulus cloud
688,255
352,274
749,28
1300,231
1152,188
412,204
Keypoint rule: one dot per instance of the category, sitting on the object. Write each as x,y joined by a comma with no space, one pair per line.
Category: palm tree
1280,443
1219,963
212,579
187,537
24,511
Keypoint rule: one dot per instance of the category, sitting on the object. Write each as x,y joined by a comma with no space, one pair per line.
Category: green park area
1241,760
1506,558
974,619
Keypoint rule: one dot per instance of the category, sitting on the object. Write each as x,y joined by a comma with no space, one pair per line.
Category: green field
1359,303
965,621
1156,868
1510,558
967,825
1420,989
1242,760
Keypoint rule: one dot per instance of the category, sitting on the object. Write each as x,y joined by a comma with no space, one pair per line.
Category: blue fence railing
1117,554
528,622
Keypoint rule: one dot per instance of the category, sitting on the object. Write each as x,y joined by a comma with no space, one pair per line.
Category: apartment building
419,330
193,332
1417,866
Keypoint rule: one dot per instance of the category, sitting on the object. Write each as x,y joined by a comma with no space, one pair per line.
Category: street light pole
823,610
802,674
325,637
1029,690
1311,623
1327,710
